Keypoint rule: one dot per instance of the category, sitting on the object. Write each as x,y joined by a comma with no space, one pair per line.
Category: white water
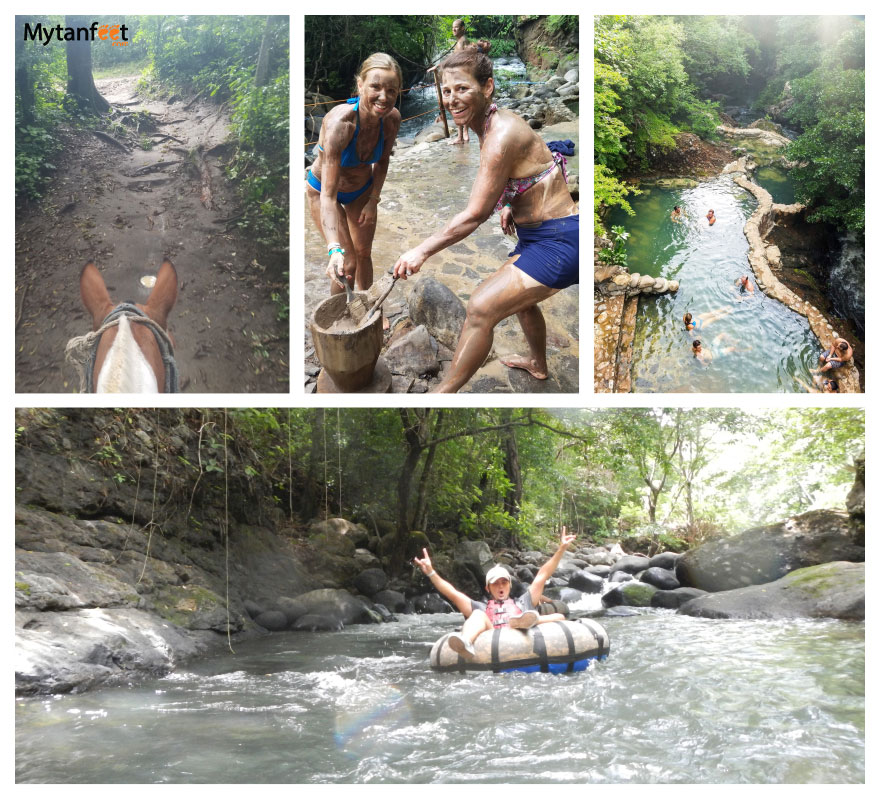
679,700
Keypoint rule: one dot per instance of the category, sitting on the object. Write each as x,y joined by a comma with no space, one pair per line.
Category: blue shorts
341,197
549,253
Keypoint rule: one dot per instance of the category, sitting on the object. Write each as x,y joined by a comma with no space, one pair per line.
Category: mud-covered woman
519,177
345,181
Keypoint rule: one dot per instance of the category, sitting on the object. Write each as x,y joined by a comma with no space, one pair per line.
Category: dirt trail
426,186
126,210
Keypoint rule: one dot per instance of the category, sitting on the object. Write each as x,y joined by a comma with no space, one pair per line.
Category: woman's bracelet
336,249
431,573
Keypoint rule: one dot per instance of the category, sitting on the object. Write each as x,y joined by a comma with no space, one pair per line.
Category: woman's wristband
336,249
431,573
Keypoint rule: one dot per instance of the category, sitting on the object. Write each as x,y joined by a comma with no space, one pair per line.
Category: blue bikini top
349,155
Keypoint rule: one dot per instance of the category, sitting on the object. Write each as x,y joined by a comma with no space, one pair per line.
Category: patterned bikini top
517,186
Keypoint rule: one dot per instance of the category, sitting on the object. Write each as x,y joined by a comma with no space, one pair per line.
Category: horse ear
94,294
164,294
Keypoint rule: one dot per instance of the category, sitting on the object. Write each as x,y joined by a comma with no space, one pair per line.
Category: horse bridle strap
163,341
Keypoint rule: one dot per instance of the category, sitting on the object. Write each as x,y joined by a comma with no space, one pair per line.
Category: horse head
133,353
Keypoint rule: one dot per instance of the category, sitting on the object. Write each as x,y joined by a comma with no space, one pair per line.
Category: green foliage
830,176
564,23
616,254
608,191
717,51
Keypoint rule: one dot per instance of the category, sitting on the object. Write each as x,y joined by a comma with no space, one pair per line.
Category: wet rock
586,581
634,593
337,602
413,354
435,306
292,608
273,621
572,76
765,554
855,503
665,560
431,603
318,622
659,577
632,564
835,589
566,594
393,601
371,581
675,598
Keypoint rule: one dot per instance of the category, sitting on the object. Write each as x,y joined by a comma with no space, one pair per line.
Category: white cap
496,573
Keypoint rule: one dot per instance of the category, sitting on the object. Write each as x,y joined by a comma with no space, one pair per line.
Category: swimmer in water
692,323
745,285
711,217
676,214
825,385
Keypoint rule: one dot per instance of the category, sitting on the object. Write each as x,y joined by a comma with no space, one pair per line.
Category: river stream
679,700
756,343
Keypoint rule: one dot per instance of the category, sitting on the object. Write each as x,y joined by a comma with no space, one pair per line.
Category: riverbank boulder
835,590
765,554
437,307
633,593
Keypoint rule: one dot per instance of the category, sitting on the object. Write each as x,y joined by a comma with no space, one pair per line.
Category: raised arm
537,587
495,166
460,600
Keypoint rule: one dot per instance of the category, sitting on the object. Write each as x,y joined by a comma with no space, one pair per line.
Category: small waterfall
846,280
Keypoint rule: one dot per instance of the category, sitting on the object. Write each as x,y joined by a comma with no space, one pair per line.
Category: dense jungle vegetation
238,61
656,76
651,476
335,46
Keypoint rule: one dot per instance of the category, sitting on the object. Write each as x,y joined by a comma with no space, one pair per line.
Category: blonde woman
345,182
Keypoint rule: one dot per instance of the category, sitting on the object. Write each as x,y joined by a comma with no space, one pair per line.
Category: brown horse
134,351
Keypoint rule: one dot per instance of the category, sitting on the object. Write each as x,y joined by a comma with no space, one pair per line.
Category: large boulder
413,354
675,598
633,593
476,557
586,581
855,503
665,560
334,602
437,307
632,564
765,554
371,581
836,589
661,578
337,526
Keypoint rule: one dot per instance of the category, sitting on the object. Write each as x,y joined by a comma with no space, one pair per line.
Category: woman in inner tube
500,610
521,178
345,182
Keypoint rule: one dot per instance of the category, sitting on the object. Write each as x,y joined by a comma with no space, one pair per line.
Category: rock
318,622
659,285
620,577
659,577
413,354
646,282
855,503
556,81
604,559
835,589
765,554
622,279
535,124
564,593
431,603
664,560
476,557
525,574
774,257
602,570
569,90
336,602
632,564
393,601
586,581
63,651
672,286
371,581
433,133
292,608
437,307
766,125
634,280
366,559
634,593
571,76
675,598
273,621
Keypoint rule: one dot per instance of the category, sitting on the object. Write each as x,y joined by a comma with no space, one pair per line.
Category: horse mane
125,367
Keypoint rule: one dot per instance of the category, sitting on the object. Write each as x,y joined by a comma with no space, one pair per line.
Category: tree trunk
80,83
24,84
420,513
513,498
262,75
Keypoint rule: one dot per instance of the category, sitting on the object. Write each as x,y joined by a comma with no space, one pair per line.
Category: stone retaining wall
763,257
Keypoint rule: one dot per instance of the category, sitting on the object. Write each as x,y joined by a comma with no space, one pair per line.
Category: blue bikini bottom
341,197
